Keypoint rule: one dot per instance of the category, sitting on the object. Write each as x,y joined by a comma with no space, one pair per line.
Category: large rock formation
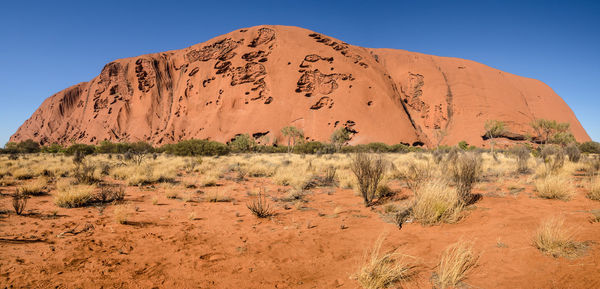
260,79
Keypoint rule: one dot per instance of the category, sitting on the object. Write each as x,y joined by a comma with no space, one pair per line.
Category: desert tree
242,143
493,129
552,131
293,135
340,137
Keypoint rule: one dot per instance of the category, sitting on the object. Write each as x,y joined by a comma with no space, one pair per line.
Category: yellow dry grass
555,187
553,238
593,189
36,187
384,270
435,202
455,263
72,196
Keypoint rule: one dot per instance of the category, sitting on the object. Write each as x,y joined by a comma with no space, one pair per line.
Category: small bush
592,166
260,207
554,157
435,203
368,171
84,173
554,187
552,238
110,193
522,154
456,262
381,271
573,152
416,174
465,172
19,201
329,178
590,147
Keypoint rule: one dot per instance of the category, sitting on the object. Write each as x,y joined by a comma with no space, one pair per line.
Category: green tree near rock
551,131
242,143
294,135
494,129
340,137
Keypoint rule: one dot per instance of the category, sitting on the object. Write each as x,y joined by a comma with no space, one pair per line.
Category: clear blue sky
46,46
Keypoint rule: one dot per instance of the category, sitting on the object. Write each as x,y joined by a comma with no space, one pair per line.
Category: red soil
225,246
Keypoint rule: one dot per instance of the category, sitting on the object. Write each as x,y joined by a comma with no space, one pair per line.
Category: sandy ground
320,243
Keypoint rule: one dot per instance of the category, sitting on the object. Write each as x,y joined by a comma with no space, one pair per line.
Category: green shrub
195,147
313,147
400,148
242,143
25,147
573,152
81,148
107,147
590,147
52,149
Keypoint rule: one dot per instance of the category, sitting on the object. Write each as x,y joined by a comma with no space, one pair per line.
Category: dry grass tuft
553,238
22,173
595,216
35,188
121,214
436,202
456,262
381,271
594,189
73,196
216,197
555,187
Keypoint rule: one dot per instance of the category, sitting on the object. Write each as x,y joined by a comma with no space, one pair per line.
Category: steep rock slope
260,79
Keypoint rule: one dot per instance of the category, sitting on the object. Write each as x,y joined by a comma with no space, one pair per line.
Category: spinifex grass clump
553,238
555,187
456,262
594,189
73,196
383,270
435,202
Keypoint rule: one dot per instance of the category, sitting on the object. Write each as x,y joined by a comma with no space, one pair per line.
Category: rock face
260,79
